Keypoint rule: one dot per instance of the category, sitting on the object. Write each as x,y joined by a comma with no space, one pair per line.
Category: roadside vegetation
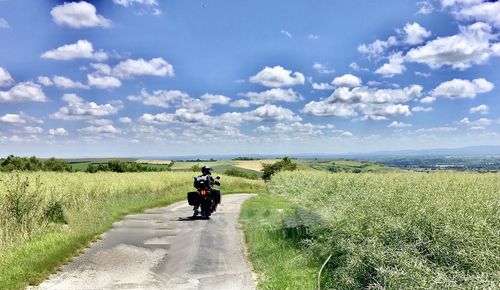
400,230
47,217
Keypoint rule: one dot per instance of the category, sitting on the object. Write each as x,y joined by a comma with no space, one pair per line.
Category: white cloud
215,99
78,109
421,109
240,104
100,130
415,34
471,46
101,68
162,98
428,100
32,130
313,36
139,67
322,86
273,95
322,68
66,83
426,7
23,92
57,132
444,129
125,120
5,78
422,74
80,49
356,67
479,124
128,3
78,15
274,113
374,104
13,119
347,80
481,109
475,10
4,24
395,66
278,77
100,122
103,82
397,124
458,88
377,48
44,80
286,33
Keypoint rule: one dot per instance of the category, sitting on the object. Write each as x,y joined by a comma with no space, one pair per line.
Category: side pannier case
193,198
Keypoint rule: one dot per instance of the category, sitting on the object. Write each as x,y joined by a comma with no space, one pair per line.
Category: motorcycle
205,199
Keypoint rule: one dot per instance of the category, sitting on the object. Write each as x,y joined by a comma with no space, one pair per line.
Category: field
400,230
46,218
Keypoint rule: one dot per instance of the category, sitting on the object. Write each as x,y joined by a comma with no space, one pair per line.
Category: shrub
284,165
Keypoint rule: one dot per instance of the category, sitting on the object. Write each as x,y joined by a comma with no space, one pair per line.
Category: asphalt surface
163,248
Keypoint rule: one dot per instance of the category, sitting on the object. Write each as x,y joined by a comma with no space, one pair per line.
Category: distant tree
283,165
195,168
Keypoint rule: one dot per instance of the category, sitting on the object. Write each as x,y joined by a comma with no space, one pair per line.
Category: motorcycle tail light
203,192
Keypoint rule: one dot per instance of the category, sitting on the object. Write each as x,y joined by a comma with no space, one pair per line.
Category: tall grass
46,217
401,230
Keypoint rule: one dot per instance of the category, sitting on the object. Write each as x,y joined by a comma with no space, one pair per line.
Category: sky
200,77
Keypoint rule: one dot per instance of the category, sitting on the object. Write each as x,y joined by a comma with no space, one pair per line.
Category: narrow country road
163,249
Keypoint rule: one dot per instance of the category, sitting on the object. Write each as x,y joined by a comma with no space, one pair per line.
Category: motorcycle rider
206,174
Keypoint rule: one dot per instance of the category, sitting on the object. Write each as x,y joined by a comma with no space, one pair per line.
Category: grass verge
279,261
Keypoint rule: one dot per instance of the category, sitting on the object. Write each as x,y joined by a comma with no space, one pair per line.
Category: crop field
400,230
46,217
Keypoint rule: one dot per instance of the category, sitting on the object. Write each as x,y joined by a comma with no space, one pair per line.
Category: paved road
163,249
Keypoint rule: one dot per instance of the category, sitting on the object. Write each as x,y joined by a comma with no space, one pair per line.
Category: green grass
399,230
280,262
32,247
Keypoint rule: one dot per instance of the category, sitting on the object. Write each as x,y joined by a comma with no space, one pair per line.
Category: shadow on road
190,218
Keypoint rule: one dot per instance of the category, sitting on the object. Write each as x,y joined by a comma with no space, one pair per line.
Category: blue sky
147,77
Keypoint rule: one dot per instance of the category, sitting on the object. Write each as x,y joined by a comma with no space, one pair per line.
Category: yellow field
255,165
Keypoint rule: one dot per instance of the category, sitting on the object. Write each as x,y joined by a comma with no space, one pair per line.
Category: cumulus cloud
162,98
13,119
347,80
397,124
57,132
481,109
5,78
421,109
425,7
23,92
296,128
125,120
377,48
78,15
374,104
322,68
242,103
127,3
444,129
470,46
322,86
140,67
395,66
44,80
276,77
428,100
474,10
103,82
215,99
274,113
100,130
66,83
356,67
77,109
459,89
273,95
80,49
479,124
415,34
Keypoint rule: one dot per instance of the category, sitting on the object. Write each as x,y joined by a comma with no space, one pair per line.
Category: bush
12,163
121,166
284,165
239,173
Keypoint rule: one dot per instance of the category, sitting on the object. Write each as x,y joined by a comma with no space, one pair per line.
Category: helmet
206,170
